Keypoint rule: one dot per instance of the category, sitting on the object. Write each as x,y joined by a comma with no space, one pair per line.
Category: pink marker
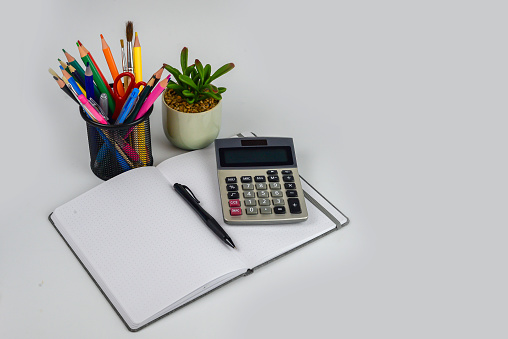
92,110
152,97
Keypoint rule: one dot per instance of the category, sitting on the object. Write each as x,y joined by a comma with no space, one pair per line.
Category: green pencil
74,63
103,88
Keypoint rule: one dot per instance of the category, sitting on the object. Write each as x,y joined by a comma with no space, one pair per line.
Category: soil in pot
176,102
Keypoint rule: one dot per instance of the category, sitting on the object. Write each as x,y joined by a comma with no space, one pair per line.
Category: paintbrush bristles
121,42
129,30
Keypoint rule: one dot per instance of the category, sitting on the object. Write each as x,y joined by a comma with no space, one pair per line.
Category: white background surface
398,111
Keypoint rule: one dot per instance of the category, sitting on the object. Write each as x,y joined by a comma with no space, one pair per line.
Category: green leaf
186,80
208,71
188,93
183,58
197,81
190,100
221,71
212,88
176,73
199,68
174,86
189,70
222,89
213,95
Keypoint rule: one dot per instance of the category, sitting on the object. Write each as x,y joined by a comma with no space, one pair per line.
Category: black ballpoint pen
188,196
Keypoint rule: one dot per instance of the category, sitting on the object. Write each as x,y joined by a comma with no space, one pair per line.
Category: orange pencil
111,64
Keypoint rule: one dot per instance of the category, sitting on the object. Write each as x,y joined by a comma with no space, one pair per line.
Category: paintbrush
129,32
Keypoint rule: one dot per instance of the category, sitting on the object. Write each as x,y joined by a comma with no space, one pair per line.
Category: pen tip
230,242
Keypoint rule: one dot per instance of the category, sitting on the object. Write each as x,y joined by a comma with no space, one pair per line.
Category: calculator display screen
256,156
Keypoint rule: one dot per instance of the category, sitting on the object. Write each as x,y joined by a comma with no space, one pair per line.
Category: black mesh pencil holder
115,149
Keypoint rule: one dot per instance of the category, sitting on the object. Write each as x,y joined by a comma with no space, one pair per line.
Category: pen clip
190,192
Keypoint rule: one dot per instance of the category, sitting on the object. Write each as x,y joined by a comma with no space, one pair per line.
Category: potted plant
192,105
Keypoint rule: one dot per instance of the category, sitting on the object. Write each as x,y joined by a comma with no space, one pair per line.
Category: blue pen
127,107
71,81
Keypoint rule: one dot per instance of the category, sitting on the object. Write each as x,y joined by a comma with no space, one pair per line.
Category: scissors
120,99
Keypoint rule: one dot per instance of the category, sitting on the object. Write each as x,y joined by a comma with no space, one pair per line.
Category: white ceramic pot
191,131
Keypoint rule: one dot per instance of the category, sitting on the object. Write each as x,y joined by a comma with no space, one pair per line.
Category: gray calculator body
259,181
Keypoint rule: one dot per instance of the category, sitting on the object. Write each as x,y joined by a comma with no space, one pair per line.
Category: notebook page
255,244
141,243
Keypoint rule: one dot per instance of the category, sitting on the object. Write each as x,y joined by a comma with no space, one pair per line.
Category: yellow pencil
136,56
74,75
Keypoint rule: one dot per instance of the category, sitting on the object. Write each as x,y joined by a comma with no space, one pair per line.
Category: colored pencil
62,85
152,97
136,57
103,87
111,64
157,76
74,63
72,71
142,96
97,67
64,65
73,82
89,84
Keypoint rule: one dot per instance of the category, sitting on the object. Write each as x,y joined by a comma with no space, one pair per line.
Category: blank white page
255,244
142,243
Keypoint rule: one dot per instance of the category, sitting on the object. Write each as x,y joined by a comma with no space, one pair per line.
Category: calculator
259,181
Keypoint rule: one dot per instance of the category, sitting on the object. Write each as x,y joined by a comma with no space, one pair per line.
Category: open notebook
149,252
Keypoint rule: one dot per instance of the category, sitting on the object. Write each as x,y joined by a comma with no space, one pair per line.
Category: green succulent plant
194,82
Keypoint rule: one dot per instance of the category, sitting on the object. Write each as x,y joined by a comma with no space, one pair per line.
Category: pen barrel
211,225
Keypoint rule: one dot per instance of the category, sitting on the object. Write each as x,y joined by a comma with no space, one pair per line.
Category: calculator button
235,211
233,195
279,209
248,194
232,187
246,178
291,193
262,194
294,205
250,202
287,172
276,194
274,186
260,186
234,203
271,172
265,210
259,178
247,187
251,210
288,178
290,185
264,202
273,178
278,201
230,180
